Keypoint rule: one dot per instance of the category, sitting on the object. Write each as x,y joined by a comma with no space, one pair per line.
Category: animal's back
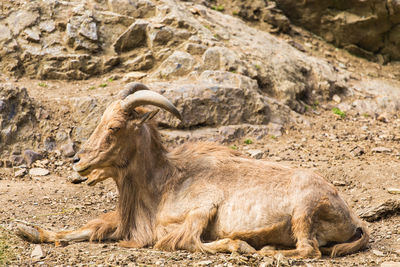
254,195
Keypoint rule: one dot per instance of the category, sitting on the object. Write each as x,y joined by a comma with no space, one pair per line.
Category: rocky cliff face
217,69
366,28
369,29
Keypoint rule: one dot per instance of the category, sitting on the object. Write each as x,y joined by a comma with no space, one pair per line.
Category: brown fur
204,197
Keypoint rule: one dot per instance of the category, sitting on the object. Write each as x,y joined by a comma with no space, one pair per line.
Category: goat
203,197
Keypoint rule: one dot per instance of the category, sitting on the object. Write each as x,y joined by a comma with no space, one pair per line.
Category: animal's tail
356,243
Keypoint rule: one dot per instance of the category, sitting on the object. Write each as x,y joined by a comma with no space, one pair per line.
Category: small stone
49,144
394,191
390,264
255,153
31,156
75,178
357,151
47,25
37,253
38,172
20,173
383,117
32,35
381,149
8,163
17,160
68,149
134,76
204,263
377,253
59,163
336,98
339,183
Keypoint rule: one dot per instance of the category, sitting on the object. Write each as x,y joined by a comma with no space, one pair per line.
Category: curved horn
147,97
131,88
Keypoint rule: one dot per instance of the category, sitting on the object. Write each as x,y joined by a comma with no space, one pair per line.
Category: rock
81,33
210,101
137,9
21,19
20,172
75,178
339,183
357,151
377,253
204,263
7,163
5,33
383,117
394,191
17,160
221,58
336,98
178,64
195,49
88,29
32,34
161,36
385,209
342,24
135,36
390,264
49,144
31,156
382,149
37,253
134,76
68,149
17,115
47,26
38,172
231,133
141,62
255,153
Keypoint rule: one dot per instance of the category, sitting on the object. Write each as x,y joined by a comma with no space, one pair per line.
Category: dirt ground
342,149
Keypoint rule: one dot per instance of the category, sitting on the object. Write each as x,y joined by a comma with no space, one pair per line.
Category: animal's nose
76,159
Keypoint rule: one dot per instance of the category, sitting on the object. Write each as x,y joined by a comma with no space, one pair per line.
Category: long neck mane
140,186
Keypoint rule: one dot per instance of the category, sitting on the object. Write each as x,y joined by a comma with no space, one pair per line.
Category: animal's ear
148,116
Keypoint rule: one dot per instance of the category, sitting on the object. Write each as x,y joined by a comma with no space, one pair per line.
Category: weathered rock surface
17,116
73,40
363,27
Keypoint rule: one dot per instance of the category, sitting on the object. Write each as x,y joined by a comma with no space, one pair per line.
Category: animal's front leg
101,228
185,232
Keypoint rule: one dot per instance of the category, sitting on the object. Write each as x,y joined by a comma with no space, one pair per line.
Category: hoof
28,233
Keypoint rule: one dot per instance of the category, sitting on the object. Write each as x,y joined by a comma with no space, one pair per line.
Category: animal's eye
114,129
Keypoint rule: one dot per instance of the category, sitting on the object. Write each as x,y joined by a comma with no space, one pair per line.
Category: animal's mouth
83,171
92,182
95,176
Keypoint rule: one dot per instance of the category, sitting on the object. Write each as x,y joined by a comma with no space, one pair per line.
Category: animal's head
121,127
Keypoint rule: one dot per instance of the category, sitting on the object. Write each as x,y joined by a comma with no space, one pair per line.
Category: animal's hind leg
97,229
306,243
